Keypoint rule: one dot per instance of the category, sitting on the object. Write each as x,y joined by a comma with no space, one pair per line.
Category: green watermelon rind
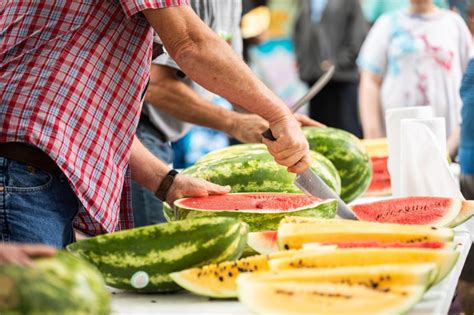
161,249
62,284
257,220
347,154
254,170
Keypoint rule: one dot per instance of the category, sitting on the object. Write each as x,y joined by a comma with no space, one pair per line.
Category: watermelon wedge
266,243
261,211
433,211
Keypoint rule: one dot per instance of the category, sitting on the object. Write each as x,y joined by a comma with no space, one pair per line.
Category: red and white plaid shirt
71,77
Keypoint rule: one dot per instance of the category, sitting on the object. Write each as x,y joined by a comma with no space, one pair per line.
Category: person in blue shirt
466,147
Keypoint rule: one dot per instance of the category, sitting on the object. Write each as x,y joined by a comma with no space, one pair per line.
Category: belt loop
3,173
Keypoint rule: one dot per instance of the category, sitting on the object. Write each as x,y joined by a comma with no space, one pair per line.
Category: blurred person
373,9
326,33
173,103
466,147
414,57
72,76
22,254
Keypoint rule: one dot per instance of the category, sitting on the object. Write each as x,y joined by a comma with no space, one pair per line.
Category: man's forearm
147,170
370,111
210,61
175,98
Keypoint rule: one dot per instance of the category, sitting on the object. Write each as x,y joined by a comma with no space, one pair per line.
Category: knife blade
313,185
308,181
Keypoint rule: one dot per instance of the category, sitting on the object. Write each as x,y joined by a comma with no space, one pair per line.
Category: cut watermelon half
433,211
261,211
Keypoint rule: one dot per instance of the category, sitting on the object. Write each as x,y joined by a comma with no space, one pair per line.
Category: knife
310,183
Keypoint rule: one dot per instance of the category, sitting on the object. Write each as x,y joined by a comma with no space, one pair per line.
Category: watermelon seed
287,247
153,301
230,274
221,279
433,228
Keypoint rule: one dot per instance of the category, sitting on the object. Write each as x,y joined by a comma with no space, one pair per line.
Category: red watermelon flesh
380,184
435,211
264,242
249,201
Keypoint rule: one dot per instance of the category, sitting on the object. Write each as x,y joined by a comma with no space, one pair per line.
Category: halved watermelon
433,211
261,211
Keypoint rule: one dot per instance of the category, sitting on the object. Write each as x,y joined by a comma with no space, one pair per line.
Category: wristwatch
165,185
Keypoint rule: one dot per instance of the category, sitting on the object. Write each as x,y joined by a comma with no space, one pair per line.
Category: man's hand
306,121
21,254
186,186
247,128
291,148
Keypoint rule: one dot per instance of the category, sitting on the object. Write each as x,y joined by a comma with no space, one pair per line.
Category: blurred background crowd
387,53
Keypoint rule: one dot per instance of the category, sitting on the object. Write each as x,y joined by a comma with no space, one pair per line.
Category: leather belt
29,155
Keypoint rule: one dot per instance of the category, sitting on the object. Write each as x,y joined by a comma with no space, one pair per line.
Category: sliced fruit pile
434,211
379,271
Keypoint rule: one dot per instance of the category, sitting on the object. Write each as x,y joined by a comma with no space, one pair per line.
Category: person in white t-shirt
413,57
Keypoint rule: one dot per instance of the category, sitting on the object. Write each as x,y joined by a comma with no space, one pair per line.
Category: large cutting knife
308,181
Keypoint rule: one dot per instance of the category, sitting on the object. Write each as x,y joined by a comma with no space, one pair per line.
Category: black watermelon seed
221,279
153,301
230,274
287,247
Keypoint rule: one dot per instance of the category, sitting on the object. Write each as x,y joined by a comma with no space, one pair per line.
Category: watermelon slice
380,184
433,211
266,243
261,211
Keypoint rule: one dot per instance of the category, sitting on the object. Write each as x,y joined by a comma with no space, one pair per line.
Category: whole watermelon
251,168
347,154
62,284
141,259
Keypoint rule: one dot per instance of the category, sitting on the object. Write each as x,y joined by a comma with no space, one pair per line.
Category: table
436,300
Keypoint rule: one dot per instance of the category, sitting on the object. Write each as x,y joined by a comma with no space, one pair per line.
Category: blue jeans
147,209
35,206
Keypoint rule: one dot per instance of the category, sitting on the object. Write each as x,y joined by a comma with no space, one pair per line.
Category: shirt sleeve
132,7
373,56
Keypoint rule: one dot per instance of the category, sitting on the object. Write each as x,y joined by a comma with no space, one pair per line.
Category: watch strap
165,185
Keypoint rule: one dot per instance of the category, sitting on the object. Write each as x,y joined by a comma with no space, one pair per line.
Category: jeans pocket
24,178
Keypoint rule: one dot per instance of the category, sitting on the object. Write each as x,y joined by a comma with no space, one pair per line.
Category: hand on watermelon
21,254
186,186
291,148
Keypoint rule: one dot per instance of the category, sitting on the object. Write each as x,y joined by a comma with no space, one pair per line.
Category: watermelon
261,211
62,284
218,280
434,211
380,184
250,168
293,232
347,154
141,259
376,147
292,297
444,259
266,242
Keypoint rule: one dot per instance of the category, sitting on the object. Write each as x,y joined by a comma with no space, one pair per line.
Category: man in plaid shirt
72,74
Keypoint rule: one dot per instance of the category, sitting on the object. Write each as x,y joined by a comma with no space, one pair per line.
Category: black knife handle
267,134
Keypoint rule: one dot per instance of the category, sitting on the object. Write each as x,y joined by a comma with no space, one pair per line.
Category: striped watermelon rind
257,220
347,154
62,284
250,168
161,249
